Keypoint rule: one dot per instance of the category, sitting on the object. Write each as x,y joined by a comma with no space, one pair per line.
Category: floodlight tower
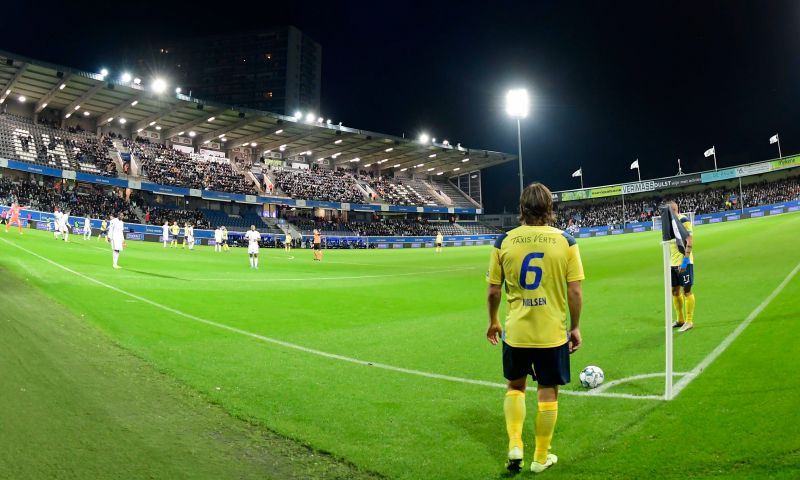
517,106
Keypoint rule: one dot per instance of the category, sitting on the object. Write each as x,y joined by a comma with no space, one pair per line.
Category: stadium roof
110,99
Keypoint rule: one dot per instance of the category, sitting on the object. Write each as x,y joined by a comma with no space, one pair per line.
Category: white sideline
687,379
320,353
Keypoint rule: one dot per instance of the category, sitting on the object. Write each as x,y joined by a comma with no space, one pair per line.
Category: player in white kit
57,223
165,232
190,236
87,228
64,225
253,237
116,236
218,239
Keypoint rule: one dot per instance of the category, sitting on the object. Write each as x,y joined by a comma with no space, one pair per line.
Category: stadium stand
94,201
477,228
318,184
70,149
609,212
182,216
393,227
399,191
457,197
167,166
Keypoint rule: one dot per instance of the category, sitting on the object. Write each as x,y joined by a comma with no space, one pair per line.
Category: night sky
611,81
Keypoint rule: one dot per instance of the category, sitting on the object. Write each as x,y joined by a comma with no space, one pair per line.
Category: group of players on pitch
540,267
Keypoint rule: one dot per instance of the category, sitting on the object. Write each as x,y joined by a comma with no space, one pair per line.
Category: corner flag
672,228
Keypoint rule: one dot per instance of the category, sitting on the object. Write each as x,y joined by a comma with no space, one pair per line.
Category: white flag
710,152
635,164
578,173
773,139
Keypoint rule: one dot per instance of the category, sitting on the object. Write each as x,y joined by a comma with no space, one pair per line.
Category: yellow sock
677,300
690,308
545,425
514,408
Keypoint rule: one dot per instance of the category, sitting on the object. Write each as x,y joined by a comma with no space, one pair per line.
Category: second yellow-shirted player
541,269
174,230
682,274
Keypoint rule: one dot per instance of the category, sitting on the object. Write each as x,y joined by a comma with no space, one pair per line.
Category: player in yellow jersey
103,230
542,271
174,230
682,274
225,238
317,246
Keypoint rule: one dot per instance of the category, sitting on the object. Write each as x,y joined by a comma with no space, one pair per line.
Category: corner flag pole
667,319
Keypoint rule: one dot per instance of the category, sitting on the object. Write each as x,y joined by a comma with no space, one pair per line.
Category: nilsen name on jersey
534,302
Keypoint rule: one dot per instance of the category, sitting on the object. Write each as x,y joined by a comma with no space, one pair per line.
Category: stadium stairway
458,197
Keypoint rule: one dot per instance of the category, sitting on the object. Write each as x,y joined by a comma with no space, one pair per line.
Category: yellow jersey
175,229
103,225
535,263
675,255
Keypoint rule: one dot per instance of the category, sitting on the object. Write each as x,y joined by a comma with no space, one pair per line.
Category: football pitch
192,365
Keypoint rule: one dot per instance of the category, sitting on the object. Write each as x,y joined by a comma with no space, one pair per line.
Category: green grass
415,310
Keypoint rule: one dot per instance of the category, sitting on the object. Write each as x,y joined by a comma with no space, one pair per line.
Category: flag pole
779,148
639,170
667,319
581,177
714,149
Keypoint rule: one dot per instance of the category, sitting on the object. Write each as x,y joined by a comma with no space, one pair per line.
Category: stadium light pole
517,106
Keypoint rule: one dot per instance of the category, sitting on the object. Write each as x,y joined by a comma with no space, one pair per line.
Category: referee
541,268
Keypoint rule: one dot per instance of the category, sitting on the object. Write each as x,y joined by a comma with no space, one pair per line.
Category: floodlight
278,132
310,117
137,81
104,72
424,138
517,103
192,133
178,90
159,85
86,113
253,144
122,121
298,114
126,77
22,99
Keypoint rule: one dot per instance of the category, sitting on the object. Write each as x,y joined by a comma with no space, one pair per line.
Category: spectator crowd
94,201
609,212
319,184
167,166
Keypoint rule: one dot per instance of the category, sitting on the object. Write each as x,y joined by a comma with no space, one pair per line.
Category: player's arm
574,293
575,302
495,279
687,251
493,301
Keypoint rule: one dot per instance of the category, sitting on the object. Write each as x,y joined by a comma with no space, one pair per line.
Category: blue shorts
685,279
548,366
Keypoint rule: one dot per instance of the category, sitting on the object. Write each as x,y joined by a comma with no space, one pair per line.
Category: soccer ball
592,377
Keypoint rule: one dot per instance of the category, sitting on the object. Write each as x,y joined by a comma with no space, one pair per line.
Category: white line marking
687,379
613,383
313,351
353,277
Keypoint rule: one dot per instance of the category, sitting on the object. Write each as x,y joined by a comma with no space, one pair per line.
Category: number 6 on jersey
528,268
